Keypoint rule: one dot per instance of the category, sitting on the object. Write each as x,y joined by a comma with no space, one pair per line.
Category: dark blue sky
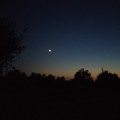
80,34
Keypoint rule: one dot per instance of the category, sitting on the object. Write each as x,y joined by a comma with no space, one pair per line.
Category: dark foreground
58,100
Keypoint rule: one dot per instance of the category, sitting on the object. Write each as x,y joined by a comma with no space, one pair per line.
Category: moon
49,50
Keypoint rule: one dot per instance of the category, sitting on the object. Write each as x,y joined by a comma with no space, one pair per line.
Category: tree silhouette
10,44
106,78
82,75
51,77
16,75
60,78
35,76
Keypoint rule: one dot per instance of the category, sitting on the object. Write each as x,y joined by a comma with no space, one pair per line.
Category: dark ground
58,100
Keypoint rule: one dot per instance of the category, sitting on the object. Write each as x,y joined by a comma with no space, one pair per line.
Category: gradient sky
80,35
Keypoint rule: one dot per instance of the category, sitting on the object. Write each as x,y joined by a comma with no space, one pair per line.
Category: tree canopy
10,44
82,75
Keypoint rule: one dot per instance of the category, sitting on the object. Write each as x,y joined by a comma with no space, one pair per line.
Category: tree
50,77
35,76
10,44
60,78
82,75
106,78
16,75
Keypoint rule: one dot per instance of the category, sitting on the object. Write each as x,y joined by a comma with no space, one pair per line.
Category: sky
80,34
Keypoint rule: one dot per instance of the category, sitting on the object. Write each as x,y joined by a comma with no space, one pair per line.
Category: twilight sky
80,35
